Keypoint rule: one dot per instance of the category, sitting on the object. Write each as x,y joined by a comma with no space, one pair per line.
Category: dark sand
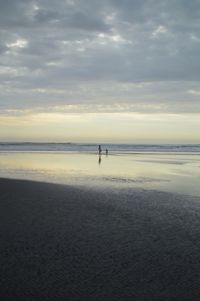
63,243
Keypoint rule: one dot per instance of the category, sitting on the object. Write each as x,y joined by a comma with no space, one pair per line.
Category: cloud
103,55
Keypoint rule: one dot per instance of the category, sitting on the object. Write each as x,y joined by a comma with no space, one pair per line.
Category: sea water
81,147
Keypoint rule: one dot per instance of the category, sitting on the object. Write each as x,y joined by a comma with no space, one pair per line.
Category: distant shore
64,243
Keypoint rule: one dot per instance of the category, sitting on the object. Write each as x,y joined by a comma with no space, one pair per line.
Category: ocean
92,147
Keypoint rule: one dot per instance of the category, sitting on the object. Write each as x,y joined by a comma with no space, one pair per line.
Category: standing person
106,152
100,150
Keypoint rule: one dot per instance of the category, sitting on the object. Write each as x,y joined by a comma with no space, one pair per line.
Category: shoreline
68,243
161,172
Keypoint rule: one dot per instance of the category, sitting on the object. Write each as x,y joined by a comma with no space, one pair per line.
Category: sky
100,71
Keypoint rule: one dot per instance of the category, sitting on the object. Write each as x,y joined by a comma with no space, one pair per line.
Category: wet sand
64,243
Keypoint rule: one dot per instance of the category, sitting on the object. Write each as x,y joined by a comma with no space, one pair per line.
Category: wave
86,147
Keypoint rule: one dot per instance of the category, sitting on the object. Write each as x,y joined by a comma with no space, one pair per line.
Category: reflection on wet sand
83,169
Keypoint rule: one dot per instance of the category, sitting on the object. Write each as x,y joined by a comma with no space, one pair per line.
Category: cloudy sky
91,70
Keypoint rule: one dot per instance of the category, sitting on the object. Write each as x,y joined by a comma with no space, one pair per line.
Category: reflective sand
179,172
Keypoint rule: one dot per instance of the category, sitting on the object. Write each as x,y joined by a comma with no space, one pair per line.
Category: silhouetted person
106,152
100,150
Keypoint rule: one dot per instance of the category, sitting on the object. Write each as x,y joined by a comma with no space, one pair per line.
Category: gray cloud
97,53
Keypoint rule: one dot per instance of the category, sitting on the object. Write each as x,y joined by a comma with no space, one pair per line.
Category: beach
176,172
99,150
70,243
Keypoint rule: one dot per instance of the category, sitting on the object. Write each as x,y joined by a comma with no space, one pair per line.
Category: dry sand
65,243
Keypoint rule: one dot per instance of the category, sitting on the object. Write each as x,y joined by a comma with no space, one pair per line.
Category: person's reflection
99,161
